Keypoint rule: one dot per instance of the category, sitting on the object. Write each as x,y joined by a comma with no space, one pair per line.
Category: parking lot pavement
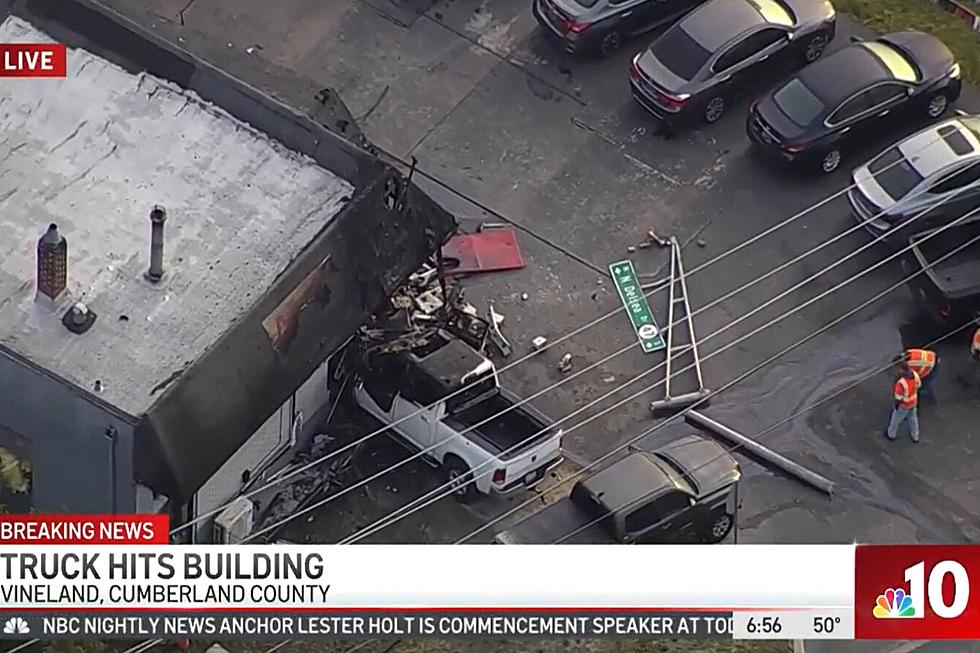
505,124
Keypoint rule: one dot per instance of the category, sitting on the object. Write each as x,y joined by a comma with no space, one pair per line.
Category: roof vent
52,263
79,318
158,215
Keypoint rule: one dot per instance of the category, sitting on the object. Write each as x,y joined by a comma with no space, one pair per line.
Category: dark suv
602,26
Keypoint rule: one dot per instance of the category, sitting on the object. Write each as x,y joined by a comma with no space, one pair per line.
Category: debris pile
312,484
429,303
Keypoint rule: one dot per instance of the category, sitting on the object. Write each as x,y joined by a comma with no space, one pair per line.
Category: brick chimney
52,263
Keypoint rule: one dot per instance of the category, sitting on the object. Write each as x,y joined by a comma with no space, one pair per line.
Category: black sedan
837,103
693,70
602,26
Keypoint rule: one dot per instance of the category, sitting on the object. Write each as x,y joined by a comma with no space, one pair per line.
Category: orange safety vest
975,345
907,391
921,361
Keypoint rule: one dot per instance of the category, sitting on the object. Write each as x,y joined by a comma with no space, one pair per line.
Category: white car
925,181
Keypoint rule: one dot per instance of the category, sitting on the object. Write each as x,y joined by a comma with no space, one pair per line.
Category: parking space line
581,124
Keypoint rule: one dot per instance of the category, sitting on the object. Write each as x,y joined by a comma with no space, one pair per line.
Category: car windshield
972,124
894,173
680,53
798,103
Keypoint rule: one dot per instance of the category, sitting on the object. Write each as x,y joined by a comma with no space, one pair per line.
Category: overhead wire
522,401
723,255
728,252
868,375
738,379
634,379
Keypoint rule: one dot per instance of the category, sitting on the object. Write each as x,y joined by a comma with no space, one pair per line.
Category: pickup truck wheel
460,479
718,529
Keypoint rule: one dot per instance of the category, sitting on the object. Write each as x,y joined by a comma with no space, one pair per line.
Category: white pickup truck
460,417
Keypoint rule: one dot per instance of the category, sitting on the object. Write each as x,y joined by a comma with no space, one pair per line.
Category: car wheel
937,106
610,43
718,530
460,479
831,161
814,48
714,109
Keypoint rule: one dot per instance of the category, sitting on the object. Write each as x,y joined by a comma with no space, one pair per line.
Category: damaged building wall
209,410
348,271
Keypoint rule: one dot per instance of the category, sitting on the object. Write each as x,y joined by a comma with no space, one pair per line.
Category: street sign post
635,302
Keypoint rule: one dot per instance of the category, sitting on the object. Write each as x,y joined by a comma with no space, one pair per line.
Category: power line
151,643
22,646
571,334
530,355
872,373
598,363
634,379
144,646
730,384
374,526
279,646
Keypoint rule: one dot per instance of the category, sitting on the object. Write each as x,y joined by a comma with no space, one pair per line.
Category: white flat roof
93,153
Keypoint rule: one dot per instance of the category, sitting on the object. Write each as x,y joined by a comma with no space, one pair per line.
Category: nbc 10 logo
909,602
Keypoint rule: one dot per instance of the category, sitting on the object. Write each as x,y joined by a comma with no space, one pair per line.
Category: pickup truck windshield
677,475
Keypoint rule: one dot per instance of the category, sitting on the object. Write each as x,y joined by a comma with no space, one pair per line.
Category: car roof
627,481
719,21
935,149
843,73
705,463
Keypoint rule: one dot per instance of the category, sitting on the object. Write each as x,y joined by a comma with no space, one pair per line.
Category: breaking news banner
112,577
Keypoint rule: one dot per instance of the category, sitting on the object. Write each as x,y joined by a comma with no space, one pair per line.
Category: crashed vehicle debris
686,488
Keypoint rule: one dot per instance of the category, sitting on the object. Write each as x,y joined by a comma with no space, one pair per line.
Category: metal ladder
679,296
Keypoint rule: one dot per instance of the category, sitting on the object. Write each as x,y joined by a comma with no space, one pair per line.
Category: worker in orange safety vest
925,363
906,395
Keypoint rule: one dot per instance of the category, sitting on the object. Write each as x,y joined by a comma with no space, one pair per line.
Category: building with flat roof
180,256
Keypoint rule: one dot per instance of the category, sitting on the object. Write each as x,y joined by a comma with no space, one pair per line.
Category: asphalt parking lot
499,117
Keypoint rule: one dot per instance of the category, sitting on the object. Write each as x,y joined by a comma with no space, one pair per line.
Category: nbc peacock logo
894,604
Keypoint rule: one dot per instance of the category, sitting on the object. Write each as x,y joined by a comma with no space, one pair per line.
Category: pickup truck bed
959,274
512,432
555,522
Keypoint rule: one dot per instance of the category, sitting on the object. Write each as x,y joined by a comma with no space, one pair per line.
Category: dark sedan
693,70
835,104
602,26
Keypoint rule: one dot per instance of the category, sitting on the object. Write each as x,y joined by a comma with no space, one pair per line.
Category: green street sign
635,302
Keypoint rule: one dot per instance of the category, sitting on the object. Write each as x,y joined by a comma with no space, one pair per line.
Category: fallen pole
809,477
680,402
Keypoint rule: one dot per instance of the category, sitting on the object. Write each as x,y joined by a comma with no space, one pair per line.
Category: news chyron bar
116,577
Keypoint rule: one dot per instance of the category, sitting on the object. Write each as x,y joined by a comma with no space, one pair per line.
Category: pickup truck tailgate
553,523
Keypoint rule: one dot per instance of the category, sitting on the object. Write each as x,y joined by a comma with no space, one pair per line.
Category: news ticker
78,577
441,624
